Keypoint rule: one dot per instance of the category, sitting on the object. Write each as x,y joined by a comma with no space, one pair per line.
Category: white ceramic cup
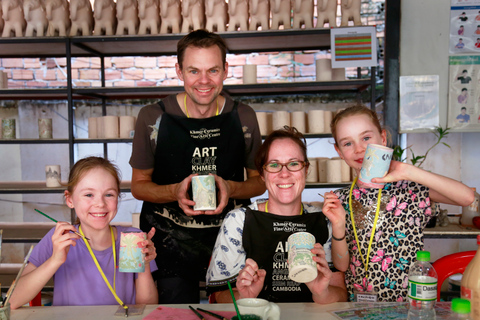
53,176
250,73
301,267
260,307
203,191
45,128
376,163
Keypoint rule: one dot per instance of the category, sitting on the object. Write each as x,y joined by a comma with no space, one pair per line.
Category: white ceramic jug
260,307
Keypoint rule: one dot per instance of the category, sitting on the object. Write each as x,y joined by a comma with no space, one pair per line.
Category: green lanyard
100,268
379,198
266,208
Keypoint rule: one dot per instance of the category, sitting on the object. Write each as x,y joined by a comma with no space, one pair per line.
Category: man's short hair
200,38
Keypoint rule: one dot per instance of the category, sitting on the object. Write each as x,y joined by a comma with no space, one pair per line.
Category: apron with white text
265,241
184,146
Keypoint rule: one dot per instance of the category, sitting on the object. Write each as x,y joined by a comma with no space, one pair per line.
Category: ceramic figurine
302,14
81,16
104,15
193,13
216,15
36,18
171,14
14,20
281,14
58,16
2,23
327,13
237,15
127,17
259,14
351,11
149,15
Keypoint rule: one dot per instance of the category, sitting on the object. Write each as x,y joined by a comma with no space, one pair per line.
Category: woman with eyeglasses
251,247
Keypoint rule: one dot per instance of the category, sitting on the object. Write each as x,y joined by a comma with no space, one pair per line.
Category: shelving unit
113,46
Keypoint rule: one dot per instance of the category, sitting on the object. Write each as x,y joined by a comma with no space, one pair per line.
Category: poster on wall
354,47
419,102
465,26
464,93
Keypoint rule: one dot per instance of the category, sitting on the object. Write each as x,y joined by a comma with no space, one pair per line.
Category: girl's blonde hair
81,167
353,111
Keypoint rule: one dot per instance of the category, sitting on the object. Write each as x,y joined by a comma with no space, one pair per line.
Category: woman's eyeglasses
274,167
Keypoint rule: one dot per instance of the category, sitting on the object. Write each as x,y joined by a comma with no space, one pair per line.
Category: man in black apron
197,131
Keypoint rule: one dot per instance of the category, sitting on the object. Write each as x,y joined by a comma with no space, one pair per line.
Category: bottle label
422,291
466,292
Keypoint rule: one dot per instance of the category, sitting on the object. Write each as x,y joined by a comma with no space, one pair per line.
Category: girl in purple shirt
93,191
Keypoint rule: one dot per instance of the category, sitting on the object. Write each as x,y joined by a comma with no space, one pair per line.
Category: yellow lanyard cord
100,268
301,207
379,198
185,106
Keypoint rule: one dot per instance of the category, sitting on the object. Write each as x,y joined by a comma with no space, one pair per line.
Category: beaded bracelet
338,239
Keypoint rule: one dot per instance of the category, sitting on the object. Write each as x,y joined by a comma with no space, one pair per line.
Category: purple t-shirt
78,282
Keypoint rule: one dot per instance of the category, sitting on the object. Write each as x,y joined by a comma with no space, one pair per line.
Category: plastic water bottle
422,288
460,309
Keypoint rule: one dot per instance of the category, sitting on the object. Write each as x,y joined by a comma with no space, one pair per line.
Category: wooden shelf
263,89
166,44
452,231
16,187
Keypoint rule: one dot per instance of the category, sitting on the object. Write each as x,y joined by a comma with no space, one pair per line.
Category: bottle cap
423,255
460,305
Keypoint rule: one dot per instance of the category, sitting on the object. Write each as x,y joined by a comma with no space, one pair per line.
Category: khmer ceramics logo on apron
205,133
289,226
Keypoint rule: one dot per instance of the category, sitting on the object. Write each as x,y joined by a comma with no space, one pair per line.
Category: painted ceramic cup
258,307
45,128
53,176
8,129
301,267
131,257
203,190
376,162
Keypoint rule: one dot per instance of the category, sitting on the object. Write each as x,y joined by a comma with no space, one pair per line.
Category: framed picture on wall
464,93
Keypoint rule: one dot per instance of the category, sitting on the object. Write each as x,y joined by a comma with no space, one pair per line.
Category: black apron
264,240
184,146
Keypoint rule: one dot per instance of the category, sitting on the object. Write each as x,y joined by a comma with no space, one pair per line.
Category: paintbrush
196,313
14,283
46,215
234,301
213,314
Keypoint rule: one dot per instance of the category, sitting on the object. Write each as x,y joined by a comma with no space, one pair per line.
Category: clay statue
193,13
58,16
327,13
259,14
104,15
302,14
237,15
14,20
81,16
216,15
281,14
149,15
36,18
171,14
127,17
350,11
2,23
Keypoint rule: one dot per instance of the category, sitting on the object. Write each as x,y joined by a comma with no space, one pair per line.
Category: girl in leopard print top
379,264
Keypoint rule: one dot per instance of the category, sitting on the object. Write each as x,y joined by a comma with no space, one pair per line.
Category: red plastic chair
451,264
37,301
